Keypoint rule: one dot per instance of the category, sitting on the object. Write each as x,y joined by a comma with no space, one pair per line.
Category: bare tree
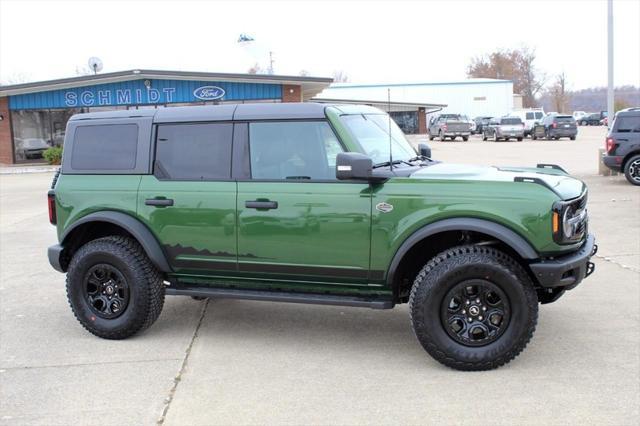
83,70
255,69
303,73
340,76
559,93
516,65
16,78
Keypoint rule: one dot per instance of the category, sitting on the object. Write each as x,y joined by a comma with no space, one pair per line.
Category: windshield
372,134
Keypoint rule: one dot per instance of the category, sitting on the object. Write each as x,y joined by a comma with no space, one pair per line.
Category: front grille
578,208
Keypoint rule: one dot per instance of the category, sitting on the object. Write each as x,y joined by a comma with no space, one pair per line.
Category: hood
565,186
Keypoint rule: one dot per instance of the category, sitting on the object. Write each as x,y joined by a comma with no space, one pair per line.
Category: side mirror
353,165
424,149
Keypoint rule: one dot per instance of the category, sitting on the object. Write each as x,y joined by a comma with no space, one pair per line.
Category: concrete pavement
243,362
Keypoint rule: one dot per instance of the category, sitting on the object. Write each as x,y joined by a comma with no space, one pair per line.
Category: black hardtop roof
228,112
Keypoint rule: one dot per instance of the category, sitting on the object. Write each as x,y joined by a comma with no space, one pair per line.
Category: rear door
296,221
189,202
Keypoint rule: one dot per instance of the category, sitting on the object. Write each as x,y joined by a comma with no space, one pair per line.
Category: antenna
95,64
389,129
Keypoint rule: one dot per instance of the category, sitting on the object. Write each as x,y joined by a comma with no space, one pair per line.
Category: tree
303,73
255,69
516,65
339,76
559,94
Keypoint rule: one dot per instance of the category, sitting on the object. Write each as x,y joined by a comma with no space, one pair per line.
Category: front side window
375,137
105,147
194,151
529,116
539,115
293,150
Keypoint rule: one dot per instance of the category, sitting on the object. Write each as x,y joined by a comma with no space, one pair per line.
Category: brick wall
291,93
422,121
6,141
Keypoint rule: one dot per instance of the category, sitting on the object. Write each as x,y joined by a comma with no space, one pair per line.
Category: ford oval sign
208,93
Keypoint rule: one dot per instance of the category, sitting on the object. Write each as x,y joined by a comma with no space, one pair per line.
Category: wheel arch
628,157
93,225
445,233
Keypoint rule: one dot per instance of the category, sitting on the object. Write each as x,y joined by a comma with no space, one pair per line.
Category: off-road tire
146,287
450,268
627,170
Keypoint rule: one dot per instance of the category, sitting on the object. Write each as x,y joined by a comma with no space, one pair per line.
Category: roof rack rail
551,166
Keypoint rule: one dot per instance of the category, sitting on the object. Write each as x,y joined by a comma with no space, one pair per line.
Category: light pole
610,95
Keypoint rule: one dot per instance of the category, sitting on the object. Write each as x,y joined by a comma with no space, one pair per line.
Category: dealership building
33,116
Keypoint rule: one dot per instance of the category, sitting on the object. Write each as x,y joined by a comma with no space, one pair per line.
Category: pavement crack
85,364
178,378
615,262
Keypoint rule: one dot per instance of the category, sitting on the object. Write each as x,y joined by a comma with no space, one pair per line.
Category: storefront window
36,130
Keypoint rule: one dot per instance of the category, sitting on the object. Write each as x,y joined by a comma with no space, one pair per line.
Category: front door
189,202
295,220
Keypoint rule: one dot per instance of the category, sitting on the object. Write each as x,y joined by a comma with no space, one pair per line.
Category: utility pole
610,95
270,62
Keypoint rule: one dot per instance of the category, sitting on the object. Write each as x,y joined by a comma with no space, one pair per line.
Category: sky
371,41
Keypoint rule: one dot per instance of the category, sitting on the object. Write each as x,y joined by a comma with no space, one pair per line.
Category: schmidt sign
135,96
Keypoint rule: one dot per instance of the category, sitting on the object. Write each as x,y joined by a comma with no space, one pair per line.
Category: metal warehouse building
34,116
473,97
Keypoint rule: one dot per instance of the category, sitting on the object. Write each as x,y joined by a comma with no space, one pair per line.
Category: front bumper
569,270
54,252
614,162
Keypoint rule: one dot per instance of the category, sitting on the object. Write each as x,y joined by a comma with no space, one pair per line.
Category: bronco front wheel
473,308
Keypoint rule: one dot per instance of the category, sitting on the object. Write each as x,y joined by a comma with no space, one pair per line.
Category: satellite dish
95,64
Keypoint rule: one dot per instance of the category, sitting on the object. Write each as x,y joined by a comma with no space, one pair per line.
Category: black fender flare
500,232
140,232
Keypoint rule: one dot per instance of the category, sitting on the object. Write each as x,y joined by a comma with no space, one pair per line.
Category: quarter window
105,147
293,150
194,151
628,124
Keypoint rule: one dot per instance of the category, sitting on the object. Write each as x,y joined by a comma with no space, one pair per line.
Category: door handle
158,202
261,205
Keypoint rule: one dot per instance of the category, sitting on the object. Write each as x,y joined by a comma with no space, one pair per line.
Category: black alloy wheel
475,312
106,291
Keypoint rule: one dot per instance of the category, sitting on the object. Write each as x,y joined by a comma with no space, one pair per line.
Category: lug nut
468,302
477,300
464,311
469,319
480,317
484,308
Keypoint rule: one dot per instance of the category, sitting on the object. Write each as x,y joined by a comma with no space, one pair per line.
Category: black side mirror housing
425,150
353,165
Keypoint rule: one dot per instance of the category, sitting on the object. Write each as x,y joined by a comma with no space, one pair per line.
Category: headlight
569,222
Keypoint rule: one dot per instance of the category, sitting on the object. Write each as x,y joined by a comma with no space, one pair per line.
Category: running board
273,296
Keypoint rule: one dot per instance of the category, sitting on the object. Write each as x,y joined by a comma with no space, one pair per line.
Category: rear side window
105,147
628,124
511,121
530,116
539,115
194,151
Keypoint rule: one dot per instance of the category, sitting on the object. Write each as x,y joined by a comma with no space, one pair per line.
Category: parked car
472,124
559,126
538,131
481,122
577,115
504,128
449,126
150,205
592,119
529,117
623,145
31,148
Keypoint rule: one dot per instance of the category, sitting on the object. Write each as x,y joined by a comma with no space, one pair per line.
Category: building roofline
451,83
380,102
138,74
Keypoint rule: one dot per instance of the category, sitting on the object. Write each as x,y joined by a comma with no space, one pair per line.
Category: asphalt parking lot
243,362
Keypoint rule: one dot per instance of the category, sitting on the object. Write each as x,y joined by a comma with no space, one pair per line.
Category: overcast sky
373,42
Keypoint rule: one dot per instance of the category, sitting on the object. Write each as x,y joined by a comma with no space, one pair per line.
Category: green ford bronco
310,203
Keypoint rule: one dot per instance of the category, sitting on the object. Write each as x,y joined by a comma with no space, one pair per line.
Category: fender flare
133,226
500,232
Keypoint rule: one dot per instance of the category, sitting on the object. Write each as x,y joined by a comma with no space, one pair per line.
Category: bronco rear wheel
113,288
473,308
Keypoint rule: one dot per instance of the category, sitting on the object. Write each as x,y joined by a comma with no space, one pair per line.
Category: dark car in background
31,148
504,128
559,126
622,147
481,122
590,119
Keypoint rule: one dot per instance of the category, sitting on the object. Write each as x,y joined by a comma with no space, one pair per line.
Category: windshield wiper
387,163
